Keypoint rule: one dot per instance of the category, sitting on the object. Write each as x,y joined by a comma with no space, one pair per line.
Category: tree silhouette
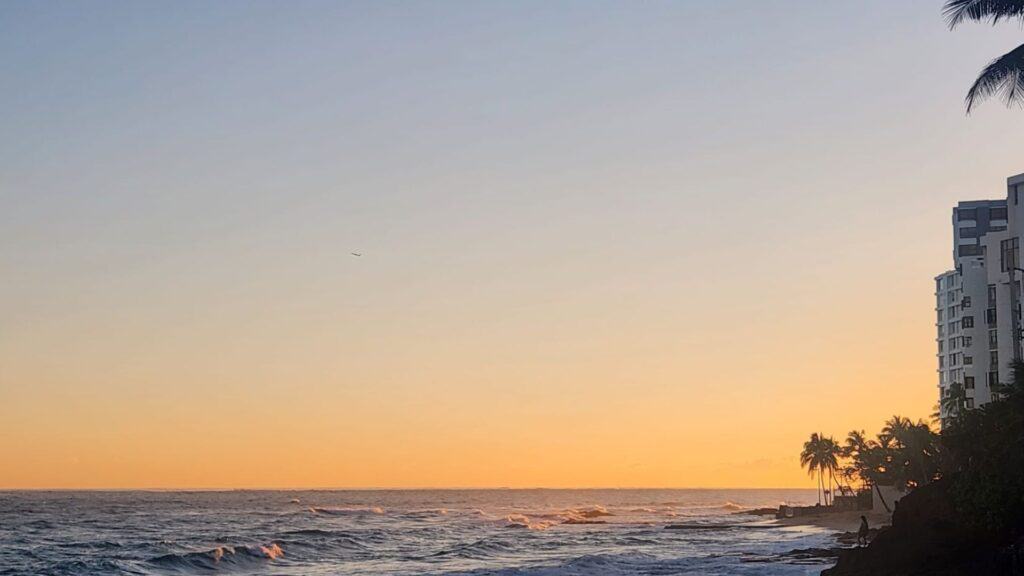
1004,75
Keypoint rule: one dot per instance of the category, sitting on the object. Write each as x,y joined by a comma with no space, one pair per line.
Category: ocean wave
221,556
627,564
545,520
479,550
425,514
523,521
483,533
317,539
351,539
595,511
311,532
346,511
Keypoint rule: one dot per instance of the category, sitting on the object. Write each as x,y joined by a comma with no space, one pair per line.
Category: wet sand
839,521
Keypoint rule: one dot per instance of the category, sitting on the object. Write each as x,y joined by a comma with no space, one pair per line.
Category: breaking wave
545,520
220,557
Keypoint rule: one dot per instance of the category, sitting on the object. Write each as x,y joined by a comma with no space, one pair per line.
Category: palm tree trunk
824,485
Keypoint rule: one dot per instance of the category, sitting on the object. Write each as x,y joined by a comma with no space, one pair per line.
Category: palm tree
920,455
830,452
820,455
1004,74
895,429
954,403
809,459
1014,389
909,452
868,460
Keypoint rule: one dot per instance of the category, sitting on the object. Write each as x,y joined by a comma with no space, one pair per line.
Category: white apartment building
977,317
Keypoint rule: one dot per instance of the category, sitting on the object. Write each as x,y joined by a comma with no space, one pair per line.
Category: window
954,359
952,343
993,359
969,382
951,297
940,346
942,330
939,314
997,214
968,322
942,362
993,380
969,249
991,295
1009,251
970,403
968,360
990,316
966,302
967,214
951,312
965,341
993,339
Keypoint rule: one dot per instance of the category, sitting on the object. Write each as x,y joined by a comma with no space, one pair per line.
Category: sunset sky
603,244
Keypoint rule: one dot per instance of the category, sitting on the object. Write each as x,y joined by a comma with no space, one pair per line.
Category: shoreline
848,521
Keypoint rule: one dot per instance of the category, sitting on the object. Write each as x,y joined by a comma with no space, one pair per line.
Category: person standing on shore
862,534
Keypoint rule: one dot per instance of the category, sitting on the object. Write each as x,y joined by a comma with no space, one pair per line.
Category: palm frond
957,11
1004,74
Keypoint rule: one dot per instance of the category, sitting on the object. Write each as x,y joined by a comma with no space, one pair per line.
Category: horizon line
381,489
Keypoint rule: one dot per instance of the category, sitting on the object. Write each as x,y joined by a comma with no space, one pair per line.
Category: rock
851,537
926,539
759,512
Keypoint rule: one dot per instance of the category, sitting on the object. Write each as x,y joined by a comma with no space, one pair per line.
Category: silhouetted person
862,534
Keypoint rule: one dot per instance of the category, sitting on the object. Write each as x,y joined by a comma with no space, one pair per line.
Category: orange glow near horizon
572,394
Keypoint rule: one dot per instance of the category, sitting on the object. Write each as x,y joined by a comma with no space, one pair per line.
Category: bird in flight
356,254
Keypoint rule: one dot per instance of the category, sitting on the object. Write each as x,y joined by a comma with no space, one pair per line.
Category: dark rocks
759,512
850,538
926,539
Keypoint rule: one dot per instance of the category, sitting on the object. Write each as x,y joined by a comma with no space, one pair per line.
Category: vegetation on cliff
965,513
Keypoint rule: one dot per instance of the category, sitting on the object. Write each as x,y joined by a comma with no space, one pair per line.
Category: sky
604,244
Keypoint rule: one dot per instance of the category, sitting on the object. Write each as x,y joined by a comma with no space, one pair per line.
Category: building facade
977,314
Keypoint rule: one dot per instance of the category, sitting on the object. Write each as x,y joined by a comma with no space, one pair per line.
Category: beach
839,521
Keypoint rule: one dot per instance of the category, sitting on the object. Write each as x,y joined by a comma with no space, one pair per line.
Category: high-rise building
977,313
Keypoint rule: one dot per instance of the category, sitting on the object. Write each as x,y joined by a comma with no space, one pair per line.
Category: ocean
403,532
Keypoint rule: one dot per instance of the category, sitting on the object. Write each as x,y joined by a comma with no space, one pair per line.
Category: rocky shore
926,539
